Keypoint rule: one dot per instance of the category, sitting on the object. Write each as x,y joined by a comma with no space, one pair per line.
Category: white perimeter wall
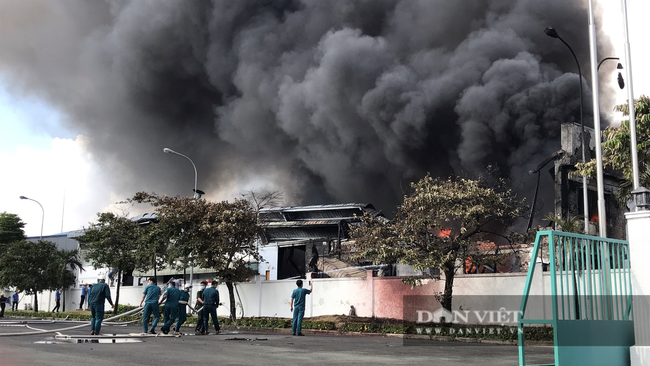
333,296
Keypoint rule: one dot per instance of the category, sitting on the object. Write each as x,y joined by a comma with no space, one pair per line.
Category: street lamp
42,216
551,32
197,192
621,81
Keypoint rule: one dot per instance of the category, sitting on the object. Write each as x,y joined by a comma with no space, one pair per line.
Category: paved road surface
277,349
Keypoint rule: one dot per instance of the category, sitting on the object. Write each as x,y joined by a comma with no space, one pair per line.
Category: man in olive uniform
170,312
97,296
198,305
150,297
182,308
210,303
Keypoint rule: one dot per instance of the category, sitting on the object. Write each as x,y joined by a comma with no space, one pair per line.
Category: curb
359,334
391,335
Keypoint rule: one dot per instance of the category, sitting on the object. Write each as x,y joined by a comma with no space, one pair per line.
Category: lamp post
621,82
602,212
551,32
197,193
42,210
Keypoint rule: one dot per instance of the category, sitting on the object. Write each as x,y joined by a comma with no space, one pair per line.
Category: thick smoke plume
328,101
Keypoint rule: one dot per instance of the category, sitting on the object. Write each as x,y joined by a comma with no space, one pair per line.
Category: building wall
371,296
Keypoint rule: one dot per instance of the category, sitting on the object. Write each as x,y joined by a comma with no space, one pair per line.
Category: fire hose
69,328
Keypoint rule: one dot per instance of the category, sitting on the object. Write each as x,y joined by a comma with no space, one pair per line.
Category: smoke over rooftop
328,101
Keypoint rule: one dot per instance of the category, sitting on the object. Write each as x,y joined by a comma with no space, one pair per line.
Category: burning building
301,239
569,198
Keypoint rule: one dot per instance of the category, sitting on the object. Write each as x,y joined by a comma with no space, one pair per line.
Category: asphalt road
243,348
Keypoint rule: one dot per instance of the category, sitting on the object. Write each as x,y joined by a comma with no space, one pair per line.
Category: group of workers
176,300
11,300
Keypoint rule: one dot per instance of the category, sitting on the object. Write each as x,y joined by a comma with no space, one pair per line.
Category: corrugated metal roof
302,223
366,206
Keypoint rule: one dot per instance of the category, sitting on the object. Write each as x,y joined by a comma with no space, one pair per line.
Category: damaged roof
312,222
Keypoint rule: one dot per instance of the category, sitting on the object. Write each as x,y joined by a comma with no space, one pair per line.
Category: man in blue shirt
14,305
210,303
298,307
97,296
170,311
182,308
57,299
150,297
84,291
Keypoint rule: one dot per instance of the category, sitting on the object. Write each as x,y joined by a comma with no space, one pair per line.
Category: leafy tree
11,230
114,242
31,267
215,235
617,148
152,246
438,226
68,261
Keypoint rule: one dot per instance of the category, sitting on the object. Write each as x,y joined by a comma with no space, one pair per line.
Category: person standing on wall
210,303
84,291
198,330
97,297
14,305
170,311
298,307
150,297
57,300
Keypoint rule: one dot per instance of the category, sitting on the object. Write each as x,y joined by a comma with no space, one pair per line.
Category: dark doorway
291,262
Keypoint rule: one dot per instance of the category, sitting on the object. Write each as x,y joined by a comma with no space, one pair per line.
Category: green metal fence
590,299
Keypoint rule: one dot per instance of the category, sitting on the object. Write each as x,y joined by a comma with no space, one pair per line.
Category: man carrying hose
170,311
182,308
150,297
210,303
198,305
97,297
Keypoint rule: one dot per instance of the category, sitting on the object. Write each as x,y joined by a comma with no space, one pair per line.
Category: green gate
590,299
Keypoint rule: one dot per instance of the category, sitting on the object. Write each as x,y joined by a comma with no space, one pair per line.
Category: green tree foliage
68,261
32,267
11,230
215,235
438,225
617,148
114,242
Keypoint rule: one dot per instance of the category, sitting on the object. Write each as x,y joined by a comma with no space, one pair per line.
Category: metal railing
590,281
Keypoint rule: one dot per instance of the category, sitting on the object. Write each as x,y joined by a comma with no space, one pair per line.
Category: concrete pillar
638,227
258,284
370,279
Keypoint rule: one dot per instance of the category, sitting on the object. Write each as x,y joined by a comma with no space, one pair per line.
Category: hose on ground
68,328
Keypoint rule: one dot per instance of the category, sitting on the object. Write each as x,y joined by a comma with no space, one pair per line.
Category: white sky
42,160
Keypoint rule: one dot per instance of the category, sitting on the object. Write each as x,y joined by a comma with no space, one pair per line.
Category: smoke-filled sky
326,101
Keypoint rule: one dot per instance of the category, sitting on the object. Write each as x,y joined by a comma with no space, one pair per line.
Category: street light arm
605,59
167,150
42,211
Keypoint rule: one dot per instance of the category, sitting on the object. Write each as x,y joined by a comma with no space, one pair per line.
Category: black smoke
328,101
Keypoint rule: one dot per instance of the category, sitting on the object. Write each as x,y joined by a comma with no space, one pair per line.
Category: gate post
638,231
